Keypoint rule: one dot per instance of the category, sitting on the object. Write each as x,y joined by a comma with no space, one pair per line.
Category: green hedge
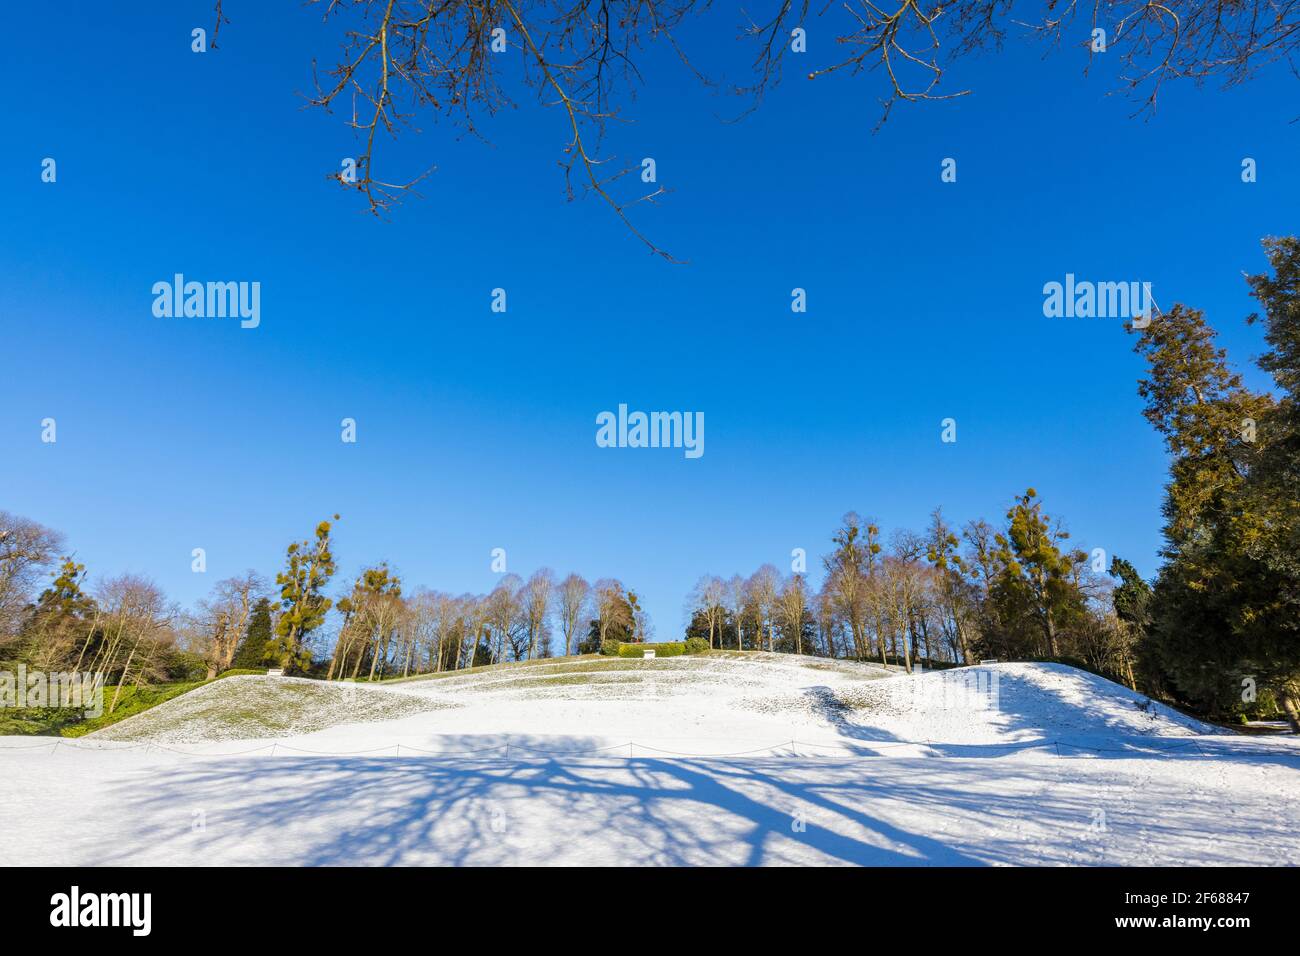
696,645
670,649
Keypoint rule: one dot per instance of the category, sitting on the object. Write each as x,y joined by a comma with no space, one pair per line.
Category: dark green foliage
667,649
252,650
1132,597
179,666
697,645
1225,610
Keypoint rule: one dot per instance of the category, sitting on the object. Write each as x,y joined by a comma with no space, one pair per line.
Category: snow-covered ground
768,759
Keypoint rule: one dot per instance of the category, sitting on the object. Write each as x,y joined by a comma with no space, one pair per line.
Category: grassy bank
72,722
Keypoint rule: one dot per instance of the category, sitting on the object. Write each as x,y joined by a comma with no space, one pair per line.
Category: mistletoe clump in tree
302,583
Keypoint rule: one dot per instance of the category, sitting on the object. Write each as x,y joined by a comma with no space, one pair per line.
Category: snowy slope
684,705
247,706
601,761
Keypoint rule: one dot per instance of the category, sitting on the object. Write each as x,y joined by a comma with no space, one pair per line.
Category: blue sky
475,429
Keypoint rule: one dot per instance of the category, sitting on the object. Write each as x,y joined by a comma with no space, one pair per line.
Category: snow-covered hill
727,758
687,705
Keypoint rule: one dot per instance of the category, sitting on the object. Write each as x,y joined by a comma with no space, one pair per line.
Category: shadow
1071,714
490,811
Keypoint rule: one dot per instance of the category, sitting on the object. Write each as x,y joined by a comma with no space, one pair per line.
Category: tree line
125,631
1216,631
940,597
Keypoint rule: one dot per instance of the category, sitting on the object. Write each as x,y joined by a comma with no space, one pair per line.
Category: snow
768,759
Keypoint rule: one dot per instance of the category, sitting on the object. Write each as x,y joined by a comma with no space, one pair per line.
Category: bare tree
824,608
735,596
708,599
792,606
477,611
27,549
847,568
136,622
505,605
573,594
611,606
400,60
225,617
537,604
762,587
953,591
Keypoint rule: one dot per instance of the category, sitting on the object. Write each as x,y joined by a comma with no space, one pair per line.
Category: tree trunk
127,667
1291,707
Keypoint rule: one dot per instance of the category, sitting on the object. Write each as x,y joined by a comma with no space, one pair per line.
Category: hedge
670,649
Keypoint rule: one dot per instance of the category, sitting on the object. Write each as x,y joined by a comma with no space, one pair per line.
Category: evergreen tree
1200,407
1132,596
309,568
252,650
1264,536
1131,602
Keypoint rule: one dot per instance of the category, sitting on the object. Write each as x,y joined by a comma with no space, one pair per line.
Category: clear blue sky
476,430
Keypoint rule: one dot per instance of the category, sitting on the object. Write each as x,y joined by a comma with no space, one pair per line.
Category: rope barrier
225,753
334,753
103,749
454,753
52,743
570,753
1136,750
738,753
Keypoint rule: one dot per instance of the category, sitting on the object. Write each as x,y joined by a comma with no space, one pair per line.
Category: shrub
670,649
696,645
176,666
612,647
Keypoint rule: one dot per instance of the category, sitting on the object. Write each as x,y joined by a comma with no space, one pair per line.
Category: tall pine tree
1264,537
1206,631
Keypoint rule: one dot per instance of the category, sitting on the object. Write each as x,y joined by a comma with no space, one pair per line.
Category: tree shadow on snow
459,810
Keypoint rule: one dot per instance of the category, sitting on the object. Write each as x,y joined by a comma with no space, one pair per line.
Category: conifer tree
1264,537
252,650
1201,408
1132,596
